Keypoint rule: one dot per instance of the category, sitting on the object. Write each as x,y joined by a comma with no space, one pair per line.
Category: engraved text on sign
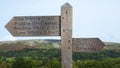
34,26
87,44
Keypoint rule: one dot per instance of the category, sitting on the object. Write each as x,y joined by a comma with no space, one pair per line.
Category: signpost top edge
87,38
66,5
39,16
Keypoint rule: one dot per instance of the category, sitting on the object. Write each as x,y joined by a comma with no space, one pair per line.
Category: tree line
51,58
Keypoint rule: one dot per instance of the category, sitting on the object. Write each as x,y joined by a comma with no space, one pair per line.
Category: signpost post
66,35
21,26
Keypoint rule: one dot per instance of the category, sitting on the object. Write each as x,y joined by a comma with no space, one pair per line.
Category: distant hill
112,46
23,44
47,44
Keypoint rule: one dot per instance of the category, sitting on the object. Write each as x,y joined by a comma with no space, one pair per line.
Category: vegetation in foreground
20,55
51,58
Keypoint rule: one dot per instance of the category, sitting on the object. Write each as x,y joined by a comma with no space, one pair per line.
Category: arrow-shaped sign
87,44
34,26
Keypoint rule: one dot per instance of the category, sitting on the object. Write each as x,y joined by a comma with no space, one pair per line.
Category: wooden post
66,35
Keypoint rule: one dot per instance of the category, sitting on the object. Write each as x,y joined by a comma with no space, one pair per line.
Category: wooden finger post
66,35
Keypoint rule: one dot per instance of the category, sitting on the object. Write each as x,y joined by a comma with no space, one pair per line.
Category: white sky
91,18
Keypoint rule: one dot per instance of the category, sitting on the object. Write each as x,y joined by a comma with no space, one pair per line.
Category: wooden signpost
66,35
34,26
87,44
21,26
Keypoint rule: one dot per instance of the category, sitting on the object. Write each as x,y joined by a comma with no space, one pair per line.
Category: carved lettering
36,26
87,44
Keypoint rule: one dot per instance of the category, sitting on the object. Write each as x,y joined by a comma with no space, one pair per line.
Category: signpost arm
66,35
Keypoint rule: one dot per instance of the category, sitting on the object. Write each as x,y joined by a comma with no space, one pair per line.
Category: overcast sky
91,18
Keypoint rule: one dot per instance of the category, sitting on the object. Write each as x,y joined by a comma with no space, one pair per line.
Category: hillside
44,53
45,44
111,46
30,44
